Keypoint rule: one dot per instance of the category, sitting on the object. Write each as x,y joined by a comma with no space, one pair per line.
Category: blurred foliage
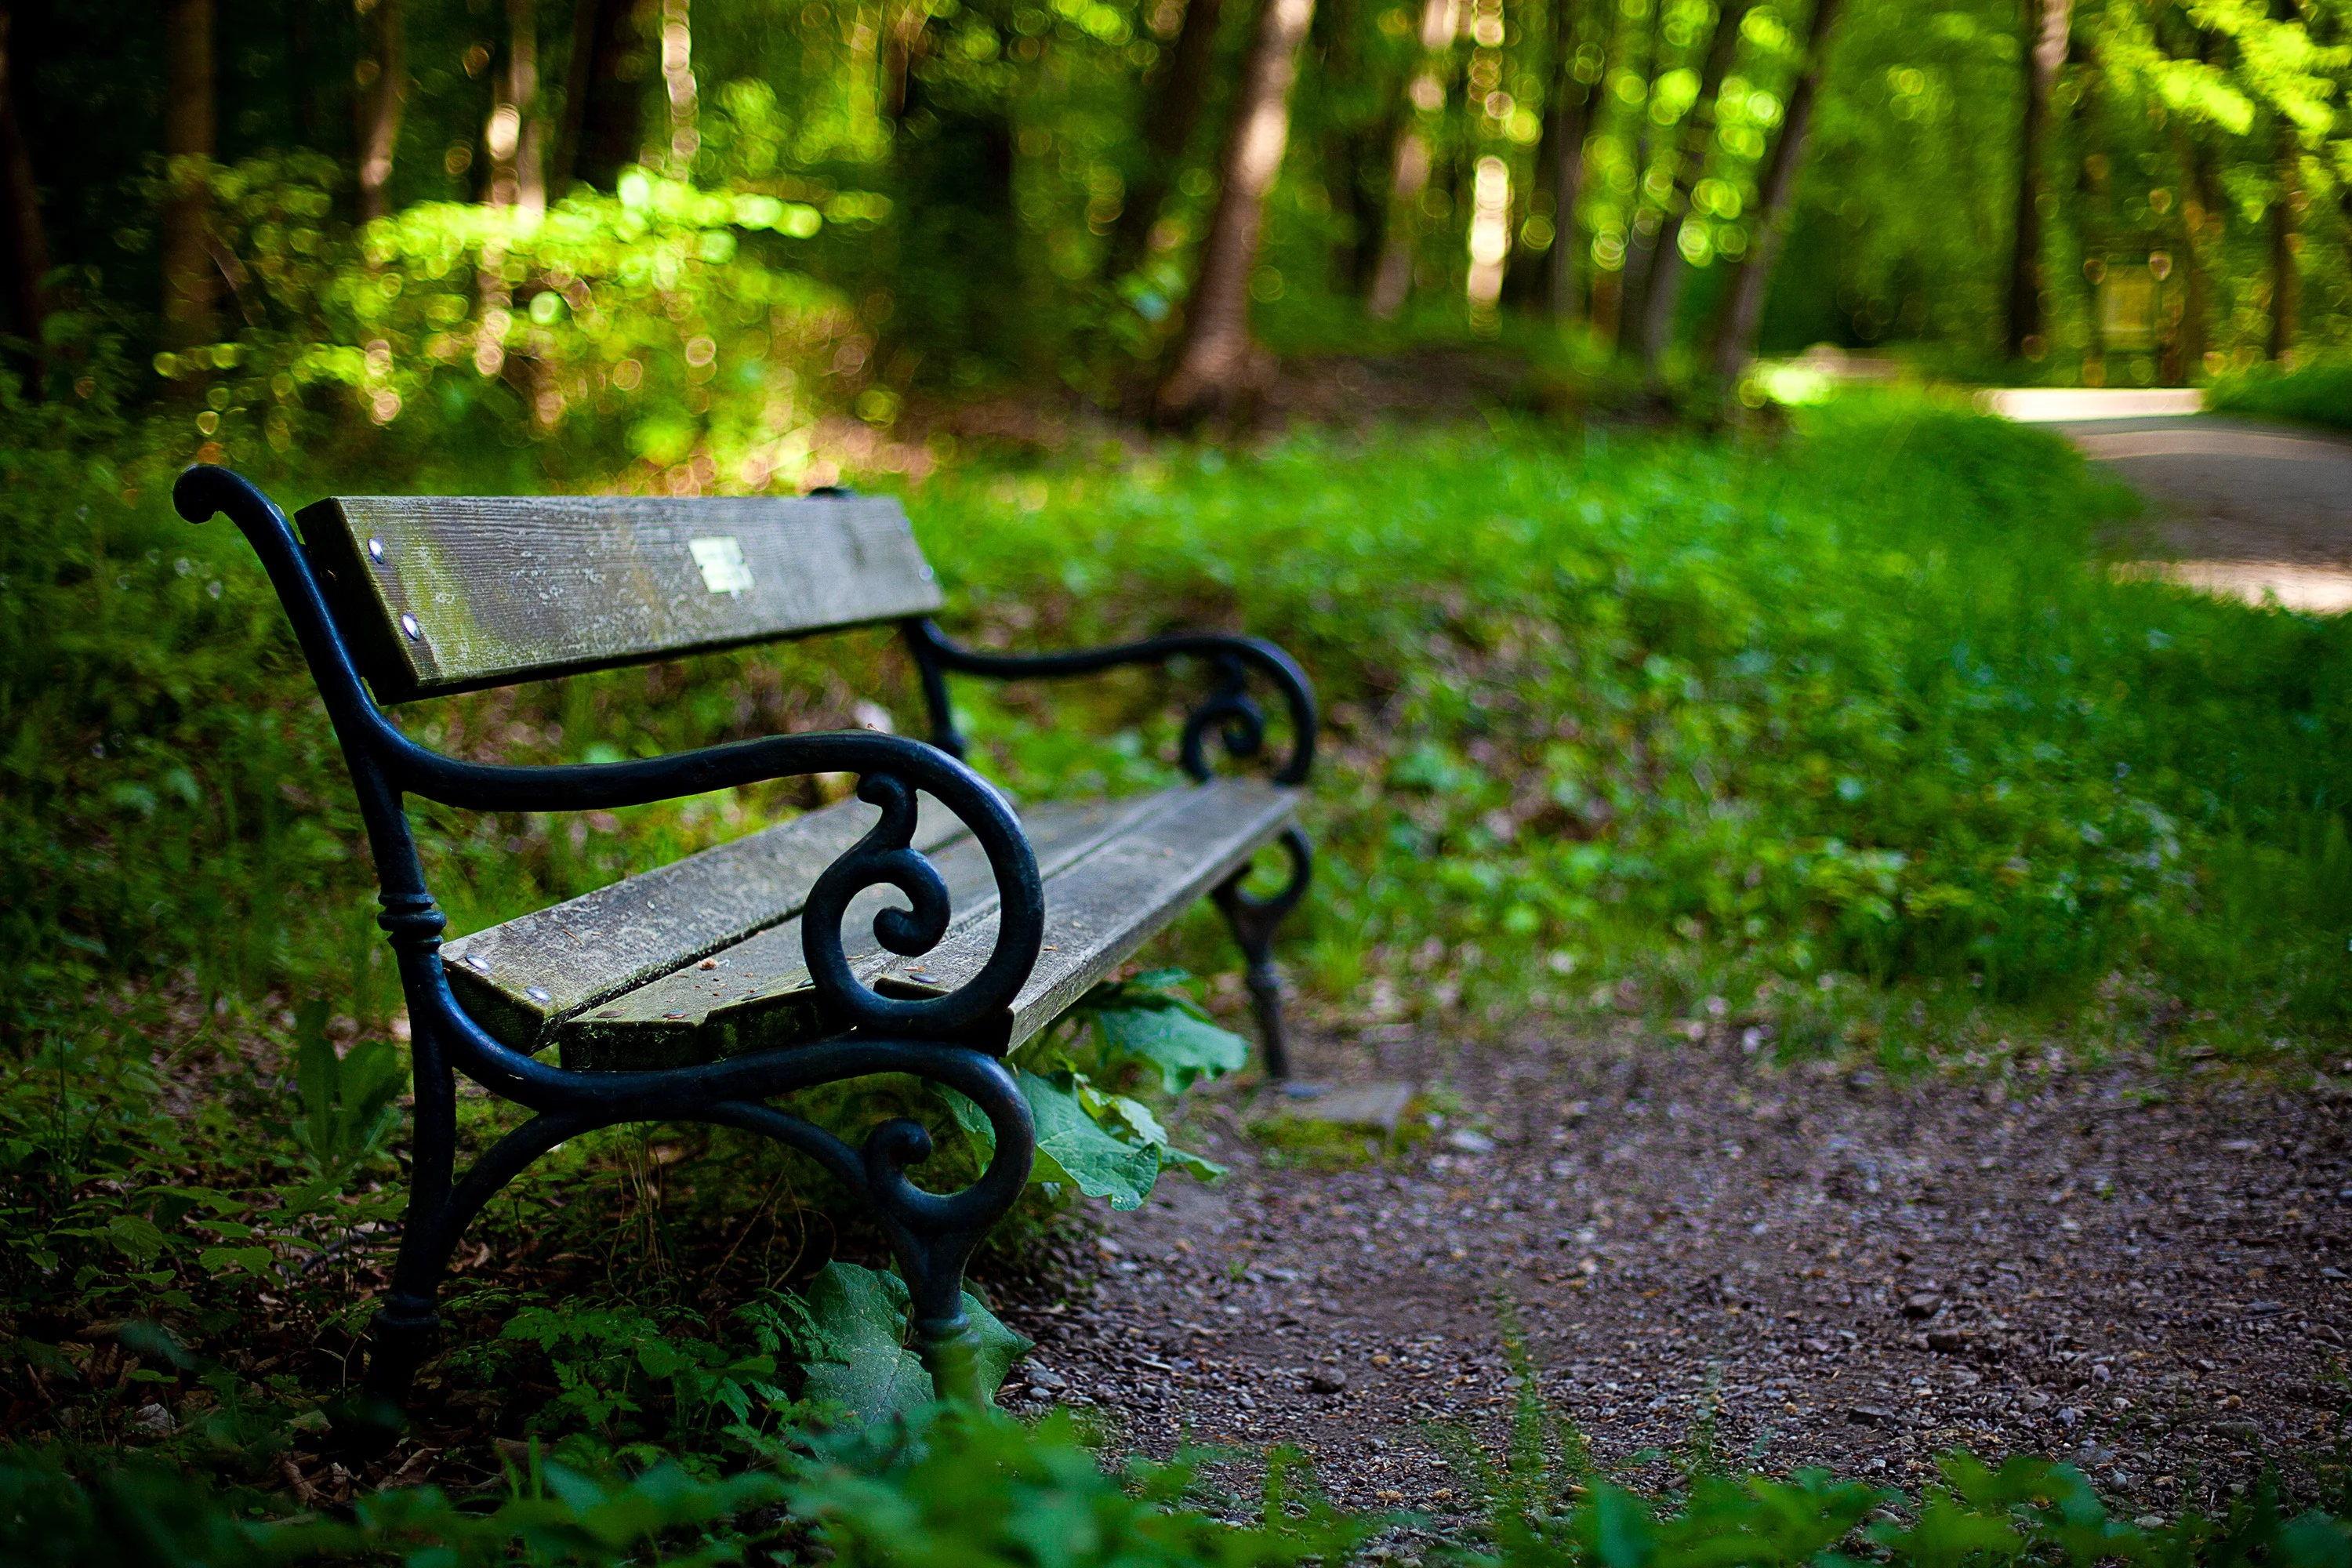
857,206
2319,392
953,1487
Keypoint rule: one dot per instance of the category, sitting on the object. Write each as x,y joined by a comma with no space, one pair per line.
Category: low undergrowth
2318,393
977,1490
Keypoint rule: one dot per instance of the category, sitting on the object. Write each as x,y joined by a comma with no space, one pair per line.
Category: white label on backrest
724,571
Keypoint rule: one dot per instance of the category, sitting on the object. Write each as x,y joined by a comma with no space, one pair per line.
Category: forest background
1840,730
2130,191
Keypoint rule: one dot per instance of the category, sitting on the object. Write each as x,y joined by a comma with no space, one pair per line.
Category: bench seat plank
1114,873
520,978
1103,908
757,992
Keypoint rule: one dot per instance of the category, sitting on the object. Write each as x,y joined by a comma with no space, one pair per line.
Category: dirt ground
2142,1274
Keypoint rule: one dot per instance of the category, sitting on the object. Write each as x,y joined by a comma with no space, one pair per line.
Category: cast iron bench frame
944,1038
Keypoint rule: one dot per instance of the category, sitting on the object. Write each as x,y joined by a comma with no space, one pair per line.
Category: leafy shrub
1547,1506
2318,393
656,337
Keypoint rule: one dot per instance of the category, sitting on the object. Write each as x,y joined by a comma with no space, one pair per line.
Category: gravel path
2139,1273
2241,507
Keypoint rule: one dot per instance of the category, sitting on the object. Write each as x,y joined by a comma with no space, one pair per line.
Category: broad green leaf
1072,1147
1075,1147
1198,1166
1170,1039
863,1360
1113,1110
135,1238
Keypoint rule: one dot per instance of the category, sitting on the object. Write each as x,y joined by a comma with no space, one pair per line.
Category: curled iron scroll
1239,722
886,856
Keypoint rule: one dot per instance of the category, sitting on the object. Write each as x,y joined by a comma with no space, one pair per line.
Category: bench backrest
449,593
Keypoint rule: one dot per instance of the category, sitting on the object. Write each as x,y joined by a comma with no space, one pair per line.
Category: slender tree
2285,278
678,86
1174,99
1213,369
601,106
2049,23
2189,338
383,79
189,290
1664,291
25,256
1545,53
1572,123
1743,298
1410,166
515,137
1352,143
1641,225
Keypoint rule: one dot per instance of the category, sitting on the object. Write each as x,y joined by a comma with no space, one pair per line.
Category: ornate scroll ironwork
1228,710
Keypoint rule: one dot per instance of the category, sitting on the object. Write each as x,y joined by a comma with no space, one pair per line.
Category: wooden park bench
704,989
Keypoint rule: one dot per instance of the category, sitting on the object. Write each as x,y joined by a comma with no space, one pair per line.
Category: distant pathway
2244,507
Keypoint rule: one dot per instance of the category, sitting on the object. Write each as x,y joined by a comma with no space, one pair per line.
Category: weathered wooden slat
519,978
446,594
1103,907
757,993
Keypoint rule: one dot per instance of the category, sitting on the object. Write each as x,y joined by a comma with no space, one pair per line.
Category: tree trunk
27,256
1174,111
602,107
1576,119
1526,272
678,87
304,77
2052,20
1665,282
515,134
1743,300
2190,338
188,145
1214,367
383,90
1641,245
2285,280
1409,168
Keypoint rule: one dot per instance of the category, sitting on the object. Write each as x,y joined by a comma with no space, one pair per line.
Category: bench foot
400,1340
1253,920
951,1351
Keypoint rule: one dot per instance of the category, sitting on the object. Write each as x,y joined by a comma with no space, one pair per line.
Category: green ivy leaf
861,1359
1151,1021
1074,1146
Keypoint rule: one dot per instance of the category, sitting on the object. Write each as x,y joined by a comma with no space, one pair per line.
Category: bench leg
931,1235
1253,920
408,1324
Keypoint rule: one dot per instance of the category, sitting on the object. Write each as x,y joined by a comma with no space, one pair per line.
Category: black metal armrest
1239,722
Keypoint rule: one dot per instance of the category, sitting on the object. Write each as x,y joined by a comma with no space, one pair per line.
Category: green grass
1865,703
1725,719
1853,730
2319,393
953,1487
